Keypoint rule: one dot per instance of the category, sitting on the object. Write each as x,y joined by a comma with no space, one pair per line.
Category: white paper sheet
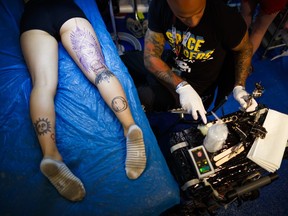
268,152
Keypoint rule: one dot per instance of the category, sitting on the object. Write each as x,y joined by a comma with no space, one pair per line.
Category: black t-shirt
220,29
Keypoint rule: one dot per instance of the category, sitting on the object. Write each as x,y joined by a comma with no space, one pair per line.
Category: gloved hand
247,102
191,102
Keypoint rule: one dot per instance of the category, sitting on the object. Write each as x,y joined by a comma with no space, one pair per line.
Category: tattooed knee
103,76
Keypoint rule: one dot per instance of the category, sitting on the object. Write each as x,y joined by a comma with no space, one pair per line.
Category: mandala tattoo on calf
42,126
88,50
119,104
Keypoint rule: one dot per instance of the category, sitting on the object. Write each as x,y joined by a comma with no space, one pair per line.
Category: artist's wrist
181,84
239,87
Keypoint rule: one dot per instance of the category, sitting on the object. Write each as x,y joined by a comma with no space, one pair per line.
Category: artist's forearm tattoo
42,126
103,76
119,104
154,46
88,50
243,62
166,76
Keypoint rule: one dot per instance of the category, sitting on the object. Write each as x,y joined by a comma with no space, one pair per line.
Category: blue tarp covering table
89,136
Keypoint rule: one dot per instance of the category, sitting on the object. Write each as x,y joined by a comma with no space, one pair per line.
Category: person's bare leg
81,42
260,26
247,10
40,51
44,78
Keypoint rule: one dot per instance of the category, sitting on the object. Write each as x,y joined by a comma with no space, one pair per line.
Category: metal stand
117,36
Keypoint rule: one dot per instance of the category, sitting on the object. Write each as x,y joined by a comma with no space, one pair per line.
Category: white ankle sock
136,156
67,184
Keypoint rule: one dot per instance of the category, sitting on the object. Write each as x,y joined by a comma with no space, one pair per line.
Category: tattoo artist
210,48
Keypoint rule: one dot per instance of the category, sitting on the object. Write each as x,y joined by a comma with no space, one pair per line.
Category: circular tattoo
119,104
42,126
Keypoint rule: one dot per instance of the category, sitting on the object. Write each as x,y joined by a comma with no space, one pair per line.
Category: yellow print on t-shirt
192,49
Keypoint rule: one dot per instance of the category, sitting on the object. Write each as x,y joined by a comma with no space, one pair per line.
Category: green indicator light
204,169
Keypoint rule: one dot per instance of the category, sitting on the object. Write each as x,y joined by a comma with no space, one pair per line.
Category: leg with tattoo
44,74
67,184
82,44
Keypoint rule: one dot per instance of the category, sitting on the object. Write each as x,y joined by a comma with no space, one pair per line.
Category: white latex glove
191,102
242,97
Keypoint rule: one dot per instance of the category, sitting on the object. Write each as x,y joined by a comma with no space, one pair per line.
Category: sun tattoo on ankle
42,126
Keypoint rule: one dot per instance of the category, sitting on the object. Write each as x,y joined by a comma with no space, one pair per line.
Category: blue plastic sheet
89,136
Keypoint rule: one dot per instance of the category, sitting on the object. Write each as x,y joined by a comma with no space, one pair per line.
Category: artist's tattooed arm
154,46
243,57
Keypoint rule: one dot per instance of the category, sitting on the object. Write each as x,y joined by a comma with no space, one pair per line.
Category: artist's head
189,12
